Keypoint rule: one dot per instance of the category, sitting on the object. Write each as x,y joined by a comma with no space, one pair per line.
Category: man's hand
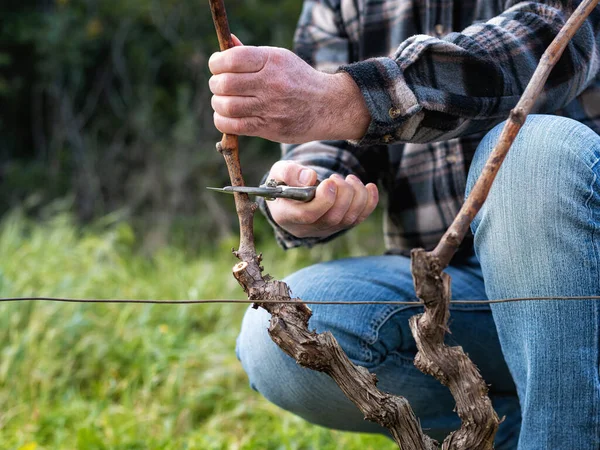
272,93
338,204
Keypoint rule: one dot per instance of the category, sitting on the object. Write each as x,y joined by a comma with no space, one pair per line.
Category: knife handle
301,194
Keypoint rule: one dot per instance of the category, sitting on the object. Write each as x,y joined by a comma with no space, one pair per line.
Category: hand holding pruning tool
306,209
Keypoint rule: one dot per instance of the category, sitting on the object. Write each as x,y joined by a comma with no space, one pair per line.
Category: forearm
345,112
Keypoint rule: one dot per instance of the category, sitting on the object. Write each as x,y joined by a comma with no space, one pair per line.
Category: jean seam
381,318
596,260
375,325
396,356
386,314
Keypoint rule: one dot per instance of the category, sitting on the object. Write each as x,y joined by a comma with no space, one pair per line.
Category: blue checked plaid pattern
436,76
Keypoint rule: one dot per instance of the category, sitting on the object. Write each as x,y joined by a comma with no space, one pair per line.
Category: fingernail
333,188
304,176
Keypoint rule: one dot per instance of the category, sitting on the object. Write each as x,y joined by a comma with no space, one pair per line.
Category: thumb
293,174
236,41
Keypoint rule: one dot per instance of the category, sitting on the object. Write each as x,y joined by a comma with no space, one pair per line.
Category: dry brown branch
289,322
455,234
450,365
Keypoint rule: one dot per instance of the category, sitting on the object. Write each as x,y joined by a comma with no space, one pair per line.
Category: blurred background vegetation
106,145
136,377
106,103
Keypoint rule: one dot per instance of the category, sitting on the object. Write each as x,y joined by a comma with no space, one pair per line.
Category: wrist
348,117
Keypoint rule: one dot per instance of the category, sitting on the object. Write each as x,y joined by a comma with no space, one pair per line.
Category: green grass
135,376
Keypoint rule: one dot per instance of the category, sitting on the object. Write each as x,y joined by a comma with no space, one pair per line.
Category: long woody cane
288,326
450,365
229,147
289,321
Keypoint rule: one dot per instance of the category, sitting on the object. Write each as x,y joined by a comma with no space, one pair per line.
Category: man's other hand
339,203
272,93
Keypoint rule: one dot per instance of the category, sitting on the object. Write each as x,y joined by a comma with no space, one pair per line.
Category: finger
286,212
371,203
240,126
293,174
372,200
235,83
359,201
236,41
236,107
243,59
334,216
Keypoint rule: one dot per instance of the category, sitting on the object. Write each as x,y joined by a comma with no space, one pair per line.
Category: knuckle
273,56
262,57
277,169
298,218
237,127
225,83
352,179
349,220
230,59
212,61
225,107
212,84
280,84
333,219
373,198
289,172
218,122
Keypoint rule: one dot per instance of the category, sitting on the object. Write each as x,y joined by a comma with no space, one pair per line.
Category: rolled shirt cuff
395,111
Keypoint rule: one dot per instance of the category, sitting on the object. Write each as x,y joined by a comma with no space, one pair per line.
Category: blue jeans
537,235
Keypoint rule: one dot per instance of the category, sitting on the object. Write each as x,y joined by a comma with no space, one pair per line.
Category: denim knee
537,235
309,394
549,177
266,365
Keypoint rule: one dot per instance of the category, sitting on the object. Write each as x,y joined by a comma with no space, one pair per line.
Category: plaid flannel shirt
436,75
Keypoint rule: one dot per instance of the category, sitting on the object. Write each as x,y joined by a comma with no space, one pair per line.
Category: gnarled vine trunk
450,365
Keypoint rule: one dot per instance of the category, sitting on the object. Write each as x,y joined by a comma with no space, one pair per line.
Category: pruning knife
273,189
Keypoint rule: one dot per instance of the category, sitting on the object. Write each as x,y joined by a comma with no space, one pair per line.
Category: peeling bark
289,322
450,365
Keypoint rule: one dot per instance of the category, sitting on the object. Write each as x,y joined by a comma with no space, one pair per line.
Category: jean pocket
387,332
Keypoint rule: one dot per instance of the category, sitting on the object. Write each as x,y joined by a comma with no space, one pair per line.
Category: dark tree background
105,103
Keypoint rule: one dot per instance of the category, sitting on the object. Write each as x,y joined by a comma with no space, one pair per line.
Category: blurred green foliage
125,376
105,120
107,102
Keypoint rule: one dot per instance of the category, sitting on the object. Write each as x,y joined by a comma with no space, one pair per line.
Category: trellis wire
414,302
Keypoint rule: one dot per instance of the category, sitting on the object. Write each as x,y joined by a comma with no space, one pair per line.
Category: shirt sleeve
434,89
321,42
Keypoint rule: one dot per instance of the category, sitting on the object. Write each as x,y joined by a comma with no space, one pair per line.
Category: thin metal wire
414,302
